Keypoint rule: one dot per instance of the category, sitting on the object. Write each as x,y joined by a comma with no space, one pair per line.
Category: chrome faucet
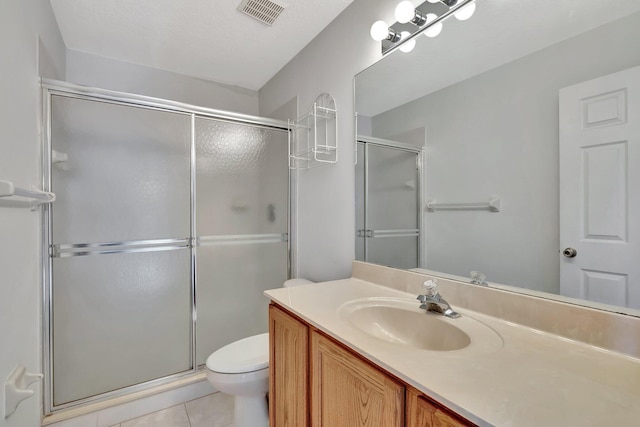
432,301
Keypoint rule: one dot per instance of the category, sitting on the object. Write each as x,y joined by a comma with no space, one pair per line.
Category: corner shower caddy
315,136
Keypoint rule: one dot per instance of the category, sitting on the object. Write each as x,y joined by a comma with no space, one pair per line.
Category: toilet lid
246,355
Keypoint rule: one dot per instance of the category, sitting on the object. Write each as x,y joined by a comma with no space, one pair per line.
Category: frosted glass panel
392,189
231,280
127,176
119,320
397,252
242,179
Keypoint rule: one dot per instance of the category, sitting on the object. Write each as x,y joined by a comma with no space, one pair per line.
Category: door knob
570,252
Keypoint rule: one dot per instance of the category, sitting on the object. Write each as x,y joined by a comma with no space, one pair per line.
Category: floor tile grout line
184,405
185,409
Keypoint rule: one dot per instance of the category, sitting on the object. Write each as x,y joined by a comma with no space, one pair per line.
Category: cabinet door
289,370
422,413
348,392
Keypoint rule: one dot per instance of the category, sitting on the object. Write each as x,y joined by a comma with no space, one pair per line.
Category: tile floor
213,410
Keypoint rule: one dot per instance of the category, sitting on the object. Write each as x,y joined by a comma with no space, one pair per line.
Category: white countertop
532,379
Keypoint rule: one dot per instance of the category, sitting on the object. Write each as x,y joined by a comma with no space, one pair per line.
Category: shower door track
79,91
49,251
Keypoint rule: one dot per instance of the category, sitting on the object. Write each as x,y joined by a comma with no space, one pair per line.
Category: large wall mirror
526,121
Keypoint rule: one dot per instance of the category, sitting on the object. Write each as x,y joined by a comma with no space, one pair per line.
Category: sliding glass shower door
169,224
241,228
121,288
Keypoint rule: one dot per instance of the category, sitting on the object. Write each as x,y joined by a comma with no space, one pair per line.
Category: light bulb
466,12
434,30
408,46
405,12
379,31
434,1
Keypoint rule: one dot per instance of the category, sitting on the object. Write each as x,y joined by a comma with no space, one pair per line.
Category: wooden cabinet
288,370
349,392
317,382
421,412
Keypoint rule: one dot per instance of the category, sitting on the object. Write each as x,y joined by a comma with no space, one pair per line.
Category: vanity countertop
533,379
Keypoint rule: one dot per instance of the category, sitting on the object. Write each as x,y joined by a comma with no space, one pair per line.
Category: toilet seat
246,355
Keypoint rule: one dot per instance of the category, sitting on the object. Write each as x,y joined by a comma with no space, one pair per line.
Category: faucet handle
430,287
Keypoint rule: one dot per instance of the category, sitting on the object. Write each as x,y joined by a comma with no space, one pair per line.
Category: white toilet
242,369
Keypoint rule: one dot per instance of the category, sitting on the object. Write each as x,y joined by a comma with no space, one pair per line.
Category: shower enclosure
388,200
170,221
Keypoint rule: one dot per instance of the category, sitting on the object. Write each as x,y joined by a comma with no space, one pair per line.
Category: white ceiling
499,32
208,39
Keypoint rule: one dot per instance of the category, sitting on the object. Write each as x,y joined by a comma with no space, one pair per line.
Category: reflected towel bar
493,205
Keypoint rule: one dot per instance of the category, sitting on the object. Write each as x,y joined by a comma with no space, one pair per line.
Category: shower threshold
117,409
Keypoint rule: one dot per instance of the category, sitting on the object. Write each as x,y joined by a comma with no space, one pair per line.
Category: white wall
21,22
326,207
107,73
497,133
365,125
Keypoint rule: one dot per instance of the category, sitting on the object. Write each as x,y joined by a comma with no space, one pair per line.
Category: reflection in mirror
388,176
537,102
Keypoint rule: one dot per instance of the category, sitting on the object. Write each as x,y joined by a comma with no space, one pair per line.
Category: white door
600,189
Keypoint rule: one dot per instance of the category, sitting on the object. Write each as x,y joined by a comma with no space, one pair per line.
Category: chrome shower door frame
53,87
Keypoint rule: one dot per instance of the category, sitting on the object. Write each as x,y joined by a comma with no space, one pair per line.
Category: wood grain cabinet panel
422,413
349,392
317,382
288,370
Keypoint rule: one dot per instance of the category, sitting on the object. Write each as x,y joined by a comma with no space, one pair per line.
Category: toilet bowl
242,370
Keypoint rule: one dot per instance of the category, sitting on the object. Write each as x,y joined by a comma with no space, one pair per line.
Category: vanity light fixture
408,46
463,13
425,18
405,12
435,29
381,31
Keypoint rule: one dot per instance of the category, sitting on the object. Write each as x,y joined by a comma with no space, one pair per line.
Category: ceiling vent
266,11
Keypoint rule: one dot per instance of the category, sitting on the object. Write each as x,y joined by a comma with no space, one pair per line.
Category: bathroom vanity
342,387
332,364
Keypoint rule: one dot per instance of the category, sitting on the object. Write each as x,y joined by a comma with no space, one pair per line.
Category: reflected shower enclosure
168,225
388,197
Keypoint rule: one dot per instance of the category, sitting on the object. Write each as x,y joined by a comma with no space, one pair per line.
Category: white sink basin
401,321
